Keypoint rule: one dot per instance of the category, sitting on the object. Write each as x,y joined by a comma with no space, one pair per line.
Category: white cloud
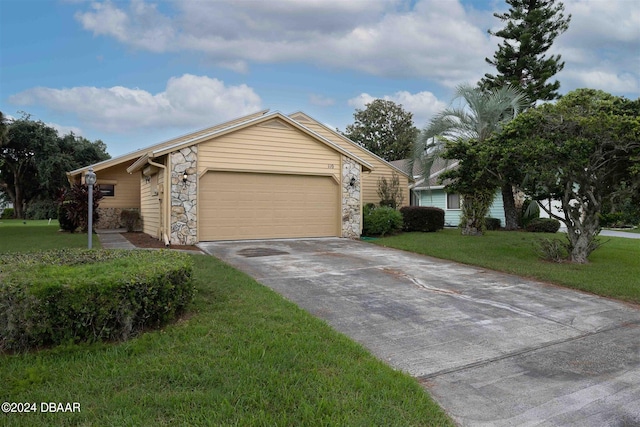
440,41
187,101
64,130
423,105
141,26
601,48
433,38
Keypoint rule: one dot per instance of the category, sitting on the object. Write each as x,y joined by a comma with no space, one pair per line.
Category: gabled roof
134,155
140,157
300,116
251,122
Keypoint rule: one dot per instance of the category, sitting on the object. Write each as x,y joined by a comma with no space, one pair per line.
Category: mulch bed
142,240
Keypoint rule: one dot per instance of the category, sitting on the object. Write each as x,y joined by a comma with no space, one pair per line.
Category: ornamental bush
543,225
422,218
7,213
79,295
130,218
381,221
492,223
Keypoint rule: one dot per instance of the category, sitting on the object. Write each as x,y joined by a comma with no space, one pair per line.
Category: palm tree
473,119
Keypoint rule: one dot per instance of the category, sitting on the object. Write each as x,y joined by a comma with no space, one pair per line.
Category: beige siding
369,179
150,194
273,147
246,205
127,187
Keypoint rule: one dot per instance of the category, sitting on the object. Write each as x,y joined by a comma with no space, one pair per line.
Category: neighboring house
4,202
427,191
265,175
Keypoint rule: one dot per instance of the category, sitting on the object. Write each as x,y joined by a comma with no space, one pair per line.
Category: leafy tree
385,129
18,171
473,181
530,28
454,132
579,151
34,159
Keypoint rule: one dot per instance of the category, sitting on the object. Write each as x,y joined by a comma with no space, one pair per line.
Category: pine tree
530,29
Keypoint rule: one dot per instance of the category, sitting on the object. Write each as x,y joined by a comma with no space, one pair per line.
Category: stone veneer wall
110,217
351,215
183,196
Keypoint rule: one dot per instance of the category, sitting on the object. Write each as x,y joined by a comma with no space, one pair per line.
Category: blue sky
134,73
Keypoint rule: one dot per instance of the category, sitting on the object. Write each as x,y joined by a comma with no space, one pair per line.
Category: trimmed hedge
543,225
381,221
63,296
422,218
492,223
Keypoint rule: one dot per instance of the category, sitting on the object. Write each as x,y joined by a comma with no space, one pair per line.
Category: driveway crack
424,379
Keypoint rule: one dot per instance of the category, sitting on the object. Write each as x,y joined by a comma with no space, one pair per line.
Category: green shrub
530,210
130,218
7,213
381,221
552,249
615,219
543,225
492,223
67,222
42,209
422,218
64,296
390,191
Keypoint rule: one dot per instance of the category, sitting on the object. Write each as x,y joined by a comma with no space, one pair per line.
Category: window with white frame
453,201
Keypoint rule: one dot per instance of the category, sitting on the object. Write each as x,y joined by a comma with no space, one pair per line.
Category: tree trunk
18,203
583,226
474,209
510,211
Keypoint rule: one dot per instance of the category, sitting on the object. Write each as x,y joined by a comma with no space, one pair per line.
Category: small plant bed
73,295
142,240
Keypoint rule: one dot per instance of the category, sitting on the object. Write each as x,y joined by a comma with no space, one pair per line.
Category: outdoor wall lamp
185,177
352,182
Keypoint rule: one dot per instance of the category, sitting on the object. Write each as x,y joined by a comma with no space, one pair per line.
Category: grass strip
36,235
245,356
613,270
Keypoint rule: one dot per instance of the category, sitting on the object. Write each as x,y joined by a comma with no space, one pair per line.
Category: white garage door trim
261,205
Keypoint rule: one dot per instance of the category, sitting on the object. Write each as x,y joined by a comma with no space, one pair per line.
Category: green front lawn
613,271
242,356
17,235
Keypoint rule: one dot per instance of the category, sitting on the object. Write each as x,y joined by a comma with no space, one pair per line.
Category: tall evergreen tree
530,28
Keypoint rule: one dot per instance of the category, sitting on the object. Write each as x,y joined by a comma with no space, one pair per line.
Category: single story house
265,175
427,191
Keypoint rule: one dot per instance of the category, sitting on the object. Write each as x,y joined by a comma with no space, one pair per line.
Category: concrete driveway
492,349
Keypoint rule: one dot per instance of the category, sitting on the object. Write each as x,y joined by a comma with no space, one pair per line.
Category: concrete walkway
112,239
491,348
616,233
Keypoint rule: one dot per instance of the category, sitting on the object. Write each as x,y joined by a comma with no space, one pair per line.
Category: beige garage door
236,205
